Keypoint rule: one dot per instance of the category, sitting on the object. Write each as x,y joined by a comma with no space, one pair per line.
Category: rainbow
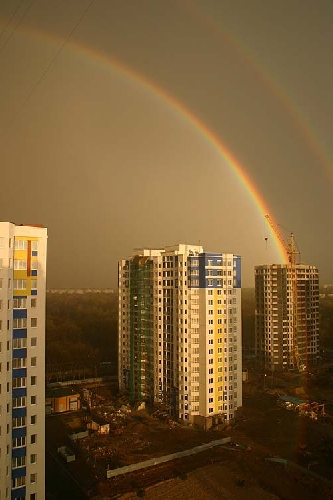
301,122
194,121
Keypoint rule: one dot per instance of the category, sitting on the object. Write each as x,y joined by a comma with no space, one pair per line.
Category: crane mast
290,249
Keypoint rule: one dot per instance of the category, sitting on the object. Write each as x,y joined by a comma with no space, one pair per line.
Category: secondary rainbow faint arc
187,114
301,122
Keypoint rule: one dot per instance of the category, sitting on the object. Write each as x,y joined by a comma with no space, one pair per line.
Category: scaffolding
141,377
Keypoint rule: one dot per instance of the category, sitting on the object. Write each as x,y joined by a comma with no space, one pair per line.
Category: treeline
81,332
82,338
326,324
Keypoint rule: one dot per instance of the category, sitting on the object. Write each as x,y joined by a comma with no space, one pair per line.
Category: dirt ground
264,428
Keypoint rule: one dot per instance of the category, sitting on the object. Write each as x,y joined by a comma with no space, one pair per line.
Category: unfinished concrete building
286,316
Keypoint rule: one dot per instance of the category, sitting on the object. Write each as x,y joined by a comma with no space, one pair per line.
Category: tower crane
290,249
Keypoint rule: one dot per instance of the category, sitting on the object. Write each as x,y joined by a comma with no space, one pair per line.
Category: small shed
99,424
60,399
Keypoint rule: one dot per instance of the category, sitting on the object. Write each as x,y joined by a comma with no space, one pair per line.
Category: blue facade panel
20,472
33,292
19,393
20,432
19,353
20,333
34,253
19,452
19,493
19,412
34,272
19,372
19,313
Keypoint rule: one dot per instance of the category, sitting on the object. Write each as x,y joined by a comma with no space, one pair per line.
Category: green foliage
248,307
81,329
326,324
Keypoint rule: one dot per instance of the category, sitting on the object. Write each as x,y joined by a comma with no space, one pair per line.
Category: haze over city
118,119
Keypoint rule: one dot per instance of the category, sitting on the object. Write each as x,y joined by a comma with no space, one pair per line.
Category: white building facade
180,330
22,361
287,316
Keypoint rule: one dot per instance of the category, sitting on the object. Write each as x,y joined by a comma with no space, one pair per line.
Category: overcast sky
90,149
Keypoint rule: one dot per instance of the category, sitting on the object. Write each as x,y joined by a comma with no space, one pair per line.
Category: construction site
109,438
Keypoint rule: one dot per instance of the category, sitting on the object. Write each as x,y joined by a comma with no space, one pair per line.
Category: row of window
22,382
19,284
19,303
33,343
19,244
19,323
21,481
22,264
22,421
21,461
21,402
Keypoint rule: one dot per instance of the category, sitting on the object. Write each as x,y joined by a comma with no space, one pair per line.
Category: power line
18,24
48,67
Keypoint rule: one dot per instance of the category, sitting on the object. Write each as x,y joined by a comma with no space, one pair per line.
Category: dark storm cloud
108,165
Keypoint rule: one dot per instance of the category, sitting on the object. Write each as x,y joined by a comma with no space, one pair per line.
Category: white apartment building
180,330
22,361
287,316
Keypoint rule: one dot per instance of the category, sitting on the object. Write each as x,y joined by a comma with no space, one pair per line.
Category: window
19,363
20,323
33,284
19,402
33,342
33,322
19,343
19,382
34,361
19,422
33,477
18,482
18,462
34,245
33,419
1,263
33,458
20,284
20,244
20,265
19,442
19,303
33,302
34,264
33,380
33,400
33,439
0,325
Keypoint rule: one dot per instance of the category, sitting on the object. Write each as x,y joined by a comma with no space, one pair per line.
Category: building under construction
287,313
180,331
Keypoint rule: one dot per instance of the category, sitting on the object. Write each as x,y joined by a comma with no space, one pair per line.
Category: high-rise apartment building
180,330
287,316
22,361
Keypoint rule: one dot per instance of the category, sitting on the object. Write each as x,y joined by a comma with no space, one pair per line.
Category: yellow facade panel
20,254
20,274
